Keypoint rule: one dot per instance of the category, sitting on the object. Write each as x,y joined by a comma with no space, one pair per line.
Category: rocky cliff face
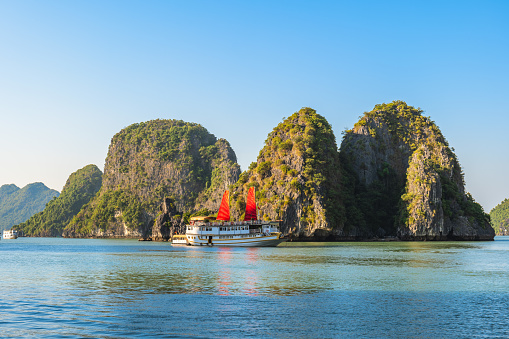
406,181
224,172
395,175
168,222
297,177
149,161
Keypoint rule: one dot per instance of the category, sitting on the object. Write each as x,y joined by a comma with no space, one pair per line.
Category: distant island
394,176
19,204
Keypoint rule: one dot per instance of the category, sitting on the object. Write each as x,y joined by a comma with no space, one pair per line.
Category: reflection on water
224,274
251,280
290,270
116,289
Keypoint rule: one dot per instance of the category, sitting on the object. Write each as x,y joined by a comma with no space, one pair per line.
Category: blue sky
73,73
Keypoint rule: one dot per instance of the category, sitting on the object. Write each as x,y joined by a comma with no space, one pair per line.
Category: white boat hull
179,242
260,241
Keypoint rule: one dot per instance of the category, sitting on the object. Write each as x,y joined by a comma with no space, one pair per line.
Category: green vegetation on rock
17,205
500,218
79,188
395,175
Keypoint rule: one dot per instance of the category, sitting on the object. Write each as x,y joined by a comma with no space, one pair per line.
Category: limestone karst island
394,176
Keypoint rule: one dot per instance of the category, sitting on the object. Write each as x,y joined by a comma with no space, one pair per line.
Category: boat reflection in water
245,283
251,287
224,277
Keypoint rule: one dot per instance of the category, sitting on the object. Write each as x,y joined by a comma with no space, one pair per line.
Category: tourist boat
179,239
10,234
220,231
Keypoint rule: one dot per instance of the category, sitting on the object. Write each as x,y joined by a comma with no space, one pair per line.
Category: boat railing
227,223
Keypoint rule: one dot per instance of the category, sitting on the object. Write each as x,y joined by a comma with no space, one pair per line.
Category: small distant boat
220,231
179,239
10,234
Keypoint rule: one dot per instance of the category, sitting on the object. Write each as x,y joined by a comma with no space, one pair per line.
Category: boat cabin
10,234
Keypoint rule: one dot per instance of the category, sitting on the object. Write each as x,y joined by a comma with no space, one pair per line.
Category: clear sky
74,73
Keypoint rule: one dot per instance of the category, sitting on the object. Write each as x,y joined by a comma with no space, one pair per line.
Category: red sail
250,206
224,210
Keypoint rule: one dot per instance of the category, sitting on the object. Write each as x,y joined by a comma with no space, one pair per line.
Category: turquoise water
78,288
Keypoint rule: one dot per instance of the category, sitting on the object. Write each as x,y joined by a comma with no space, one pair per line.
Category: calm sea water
78,288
